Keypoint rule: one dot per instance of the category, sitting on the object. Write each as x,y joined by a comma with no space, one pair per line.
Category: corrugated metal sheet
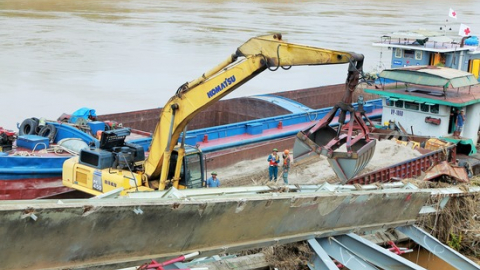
431,75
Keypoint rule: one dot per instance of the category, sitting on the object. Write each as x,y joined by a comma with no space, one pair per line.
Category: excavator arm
250,59
116,165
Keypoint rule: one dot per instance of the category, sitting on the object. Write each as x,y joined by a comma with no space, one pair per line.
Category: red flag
452,14
464,30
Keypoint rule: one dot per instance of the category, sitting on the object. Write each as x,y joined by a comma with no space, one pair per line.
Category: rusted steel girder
407,169
108,233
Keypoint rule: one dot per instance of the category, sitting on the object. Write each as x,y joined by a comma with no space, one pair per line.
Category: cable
128,166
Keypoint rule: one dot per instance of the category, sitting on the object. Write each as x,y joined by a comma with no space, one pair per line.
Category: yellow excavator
117,165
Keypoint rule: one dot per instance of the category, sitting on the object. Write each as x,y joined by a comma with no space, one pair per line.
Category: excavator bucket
324,141
347,165
306,145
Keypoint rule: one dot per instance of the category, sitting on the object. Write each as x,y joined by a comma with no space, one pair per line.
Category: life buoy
48,131
28,127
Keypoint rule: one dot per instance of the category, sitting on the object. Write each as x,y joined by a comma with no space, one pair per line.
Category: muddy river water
114,56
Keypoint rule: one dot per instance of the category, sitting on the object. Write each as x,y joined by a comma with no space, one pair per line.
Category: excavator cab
192,173
322,139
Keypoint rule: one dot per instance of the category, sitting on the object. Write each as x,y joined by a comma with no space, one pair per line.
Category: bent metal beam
107,233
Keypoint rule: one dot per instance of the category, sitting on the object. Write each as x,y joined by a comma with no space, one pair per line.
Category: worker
273,160
286,165
459,124
213,181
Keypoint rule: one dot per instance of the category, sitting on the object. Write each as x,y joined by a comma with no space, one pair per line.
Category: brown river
114,56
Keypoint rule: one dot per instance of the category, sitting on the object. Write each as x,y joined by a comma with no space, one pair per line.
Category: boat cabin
434,48
425,100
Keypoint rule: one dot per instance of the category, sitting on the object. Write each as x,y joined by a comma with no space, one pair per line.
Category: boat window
434,108
424,107
391,101
418,55
411,105
399,103
408,53
398,53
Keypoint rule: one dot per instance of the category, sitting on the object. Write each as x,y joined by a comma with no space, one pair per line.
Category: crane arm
250,59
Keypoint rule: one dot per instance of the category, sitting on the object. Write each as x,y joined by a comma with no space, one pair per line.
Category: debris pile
288,256
458,224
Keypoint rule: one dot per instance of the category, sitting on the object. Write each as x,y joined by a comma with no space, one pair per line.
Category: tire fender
28,127
48,131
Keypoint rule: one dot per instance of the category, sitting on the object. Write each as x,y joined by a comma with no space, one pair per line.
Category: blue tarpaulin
83,113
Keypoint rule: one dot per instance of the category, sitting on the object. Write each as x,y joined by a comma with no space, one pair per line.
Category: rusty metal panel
406,169
445,169
235,110
123,232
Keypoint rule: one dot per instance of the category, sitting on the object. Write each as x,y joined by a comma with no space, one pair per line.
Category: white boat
426,99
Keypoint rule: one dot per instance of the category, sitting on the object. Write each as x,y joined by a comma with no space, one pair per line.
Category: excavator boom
118,165
250,59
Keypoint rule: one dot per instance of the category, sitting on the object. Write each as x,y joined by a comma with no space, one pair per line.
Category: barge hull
29,187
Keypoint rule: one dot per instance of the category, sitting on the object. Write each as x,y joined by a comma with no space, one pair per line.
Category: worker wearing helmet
213,181
273,160
286,165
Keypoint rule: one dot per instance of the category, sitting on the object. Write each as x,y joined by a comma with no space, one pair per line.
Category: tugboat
433,77
427,100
